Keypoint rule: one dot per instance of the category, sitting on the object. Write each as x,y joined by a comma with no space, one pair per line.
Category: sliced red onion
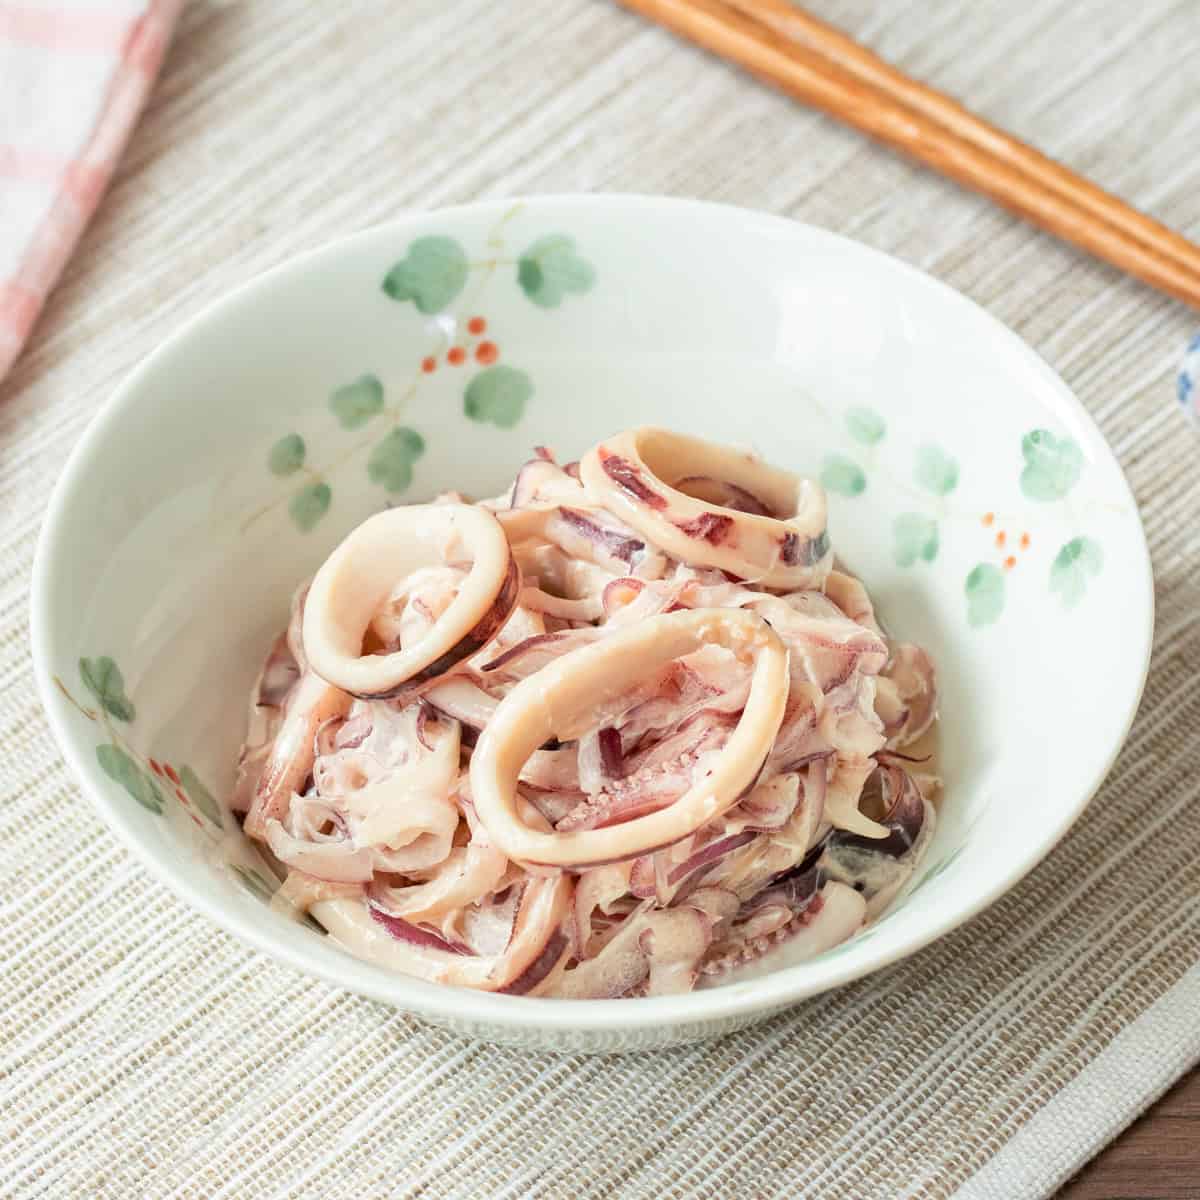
522,648
617,544
531,478
710,854
414,935
549,958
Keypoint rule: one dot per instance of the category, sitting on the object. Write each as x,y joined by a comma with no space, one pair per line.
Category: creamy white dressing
693,693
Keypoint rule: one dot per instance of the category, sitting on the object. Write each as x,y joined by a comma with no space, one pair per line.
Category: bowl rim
743,1000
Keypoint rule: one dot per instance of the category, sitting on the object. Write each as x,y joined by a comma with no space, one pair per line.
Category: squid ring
359,575
557,700
784,544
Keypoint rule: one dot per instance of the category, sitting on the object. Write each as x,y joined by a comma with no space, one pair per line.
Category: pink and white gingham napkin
73,77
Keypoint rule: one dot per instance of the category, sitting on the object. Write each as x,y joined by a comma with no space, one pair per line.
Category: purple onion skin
414,935
537,639
620,547
710,854
541,966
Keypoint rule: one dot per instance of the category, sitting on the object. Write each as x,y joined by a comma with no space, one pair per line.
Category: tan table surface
145,1054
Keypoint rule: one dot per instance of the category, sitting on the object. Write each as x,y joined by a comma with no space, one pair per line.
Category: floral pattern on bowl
442,281
228,465
1050,467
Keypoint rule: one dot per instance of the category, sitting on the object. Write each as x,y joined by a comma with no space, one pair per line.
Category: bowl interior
968,488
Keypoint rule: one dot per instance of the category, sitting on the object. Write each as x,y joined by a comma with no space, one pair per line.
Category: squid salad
618,732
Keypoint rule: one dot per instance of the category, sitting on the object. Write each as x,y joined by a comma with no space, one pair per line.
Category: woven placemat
143,1053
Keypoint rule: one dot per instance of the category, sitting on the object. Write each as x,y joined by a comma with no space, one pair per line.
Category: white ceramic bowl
968,487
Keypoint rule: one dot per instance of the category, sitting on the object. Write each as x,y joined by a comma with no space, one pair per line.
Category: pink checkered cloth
73,77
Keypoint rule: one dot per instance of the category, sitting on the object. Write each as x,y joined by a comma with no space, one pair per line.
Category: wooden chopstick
843,51
821,66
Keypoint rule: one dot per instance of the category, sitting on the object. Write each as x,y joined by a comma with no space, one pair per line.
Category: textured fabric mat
143,1053
73,76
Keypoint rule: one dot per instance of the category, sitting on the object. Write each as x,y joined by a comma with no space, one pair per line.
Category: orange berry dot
1009,563
172,774
487,352
155,767
476,325
989,518
429,365
1001,538
456,356
1024,541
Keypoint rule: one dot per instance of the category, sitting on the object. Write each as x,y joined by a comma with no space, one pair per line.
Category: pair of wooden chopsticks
818,64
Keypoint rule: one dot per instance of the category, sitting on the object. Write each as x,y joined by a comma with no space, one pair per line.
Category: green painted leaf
391,462
199,795
1052,465
915,537
430,275
287,455
551,268
356,403
936,471
1080,558
309,505
102,677
985,595
843,475
865,425
123,769
499,395
253,882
